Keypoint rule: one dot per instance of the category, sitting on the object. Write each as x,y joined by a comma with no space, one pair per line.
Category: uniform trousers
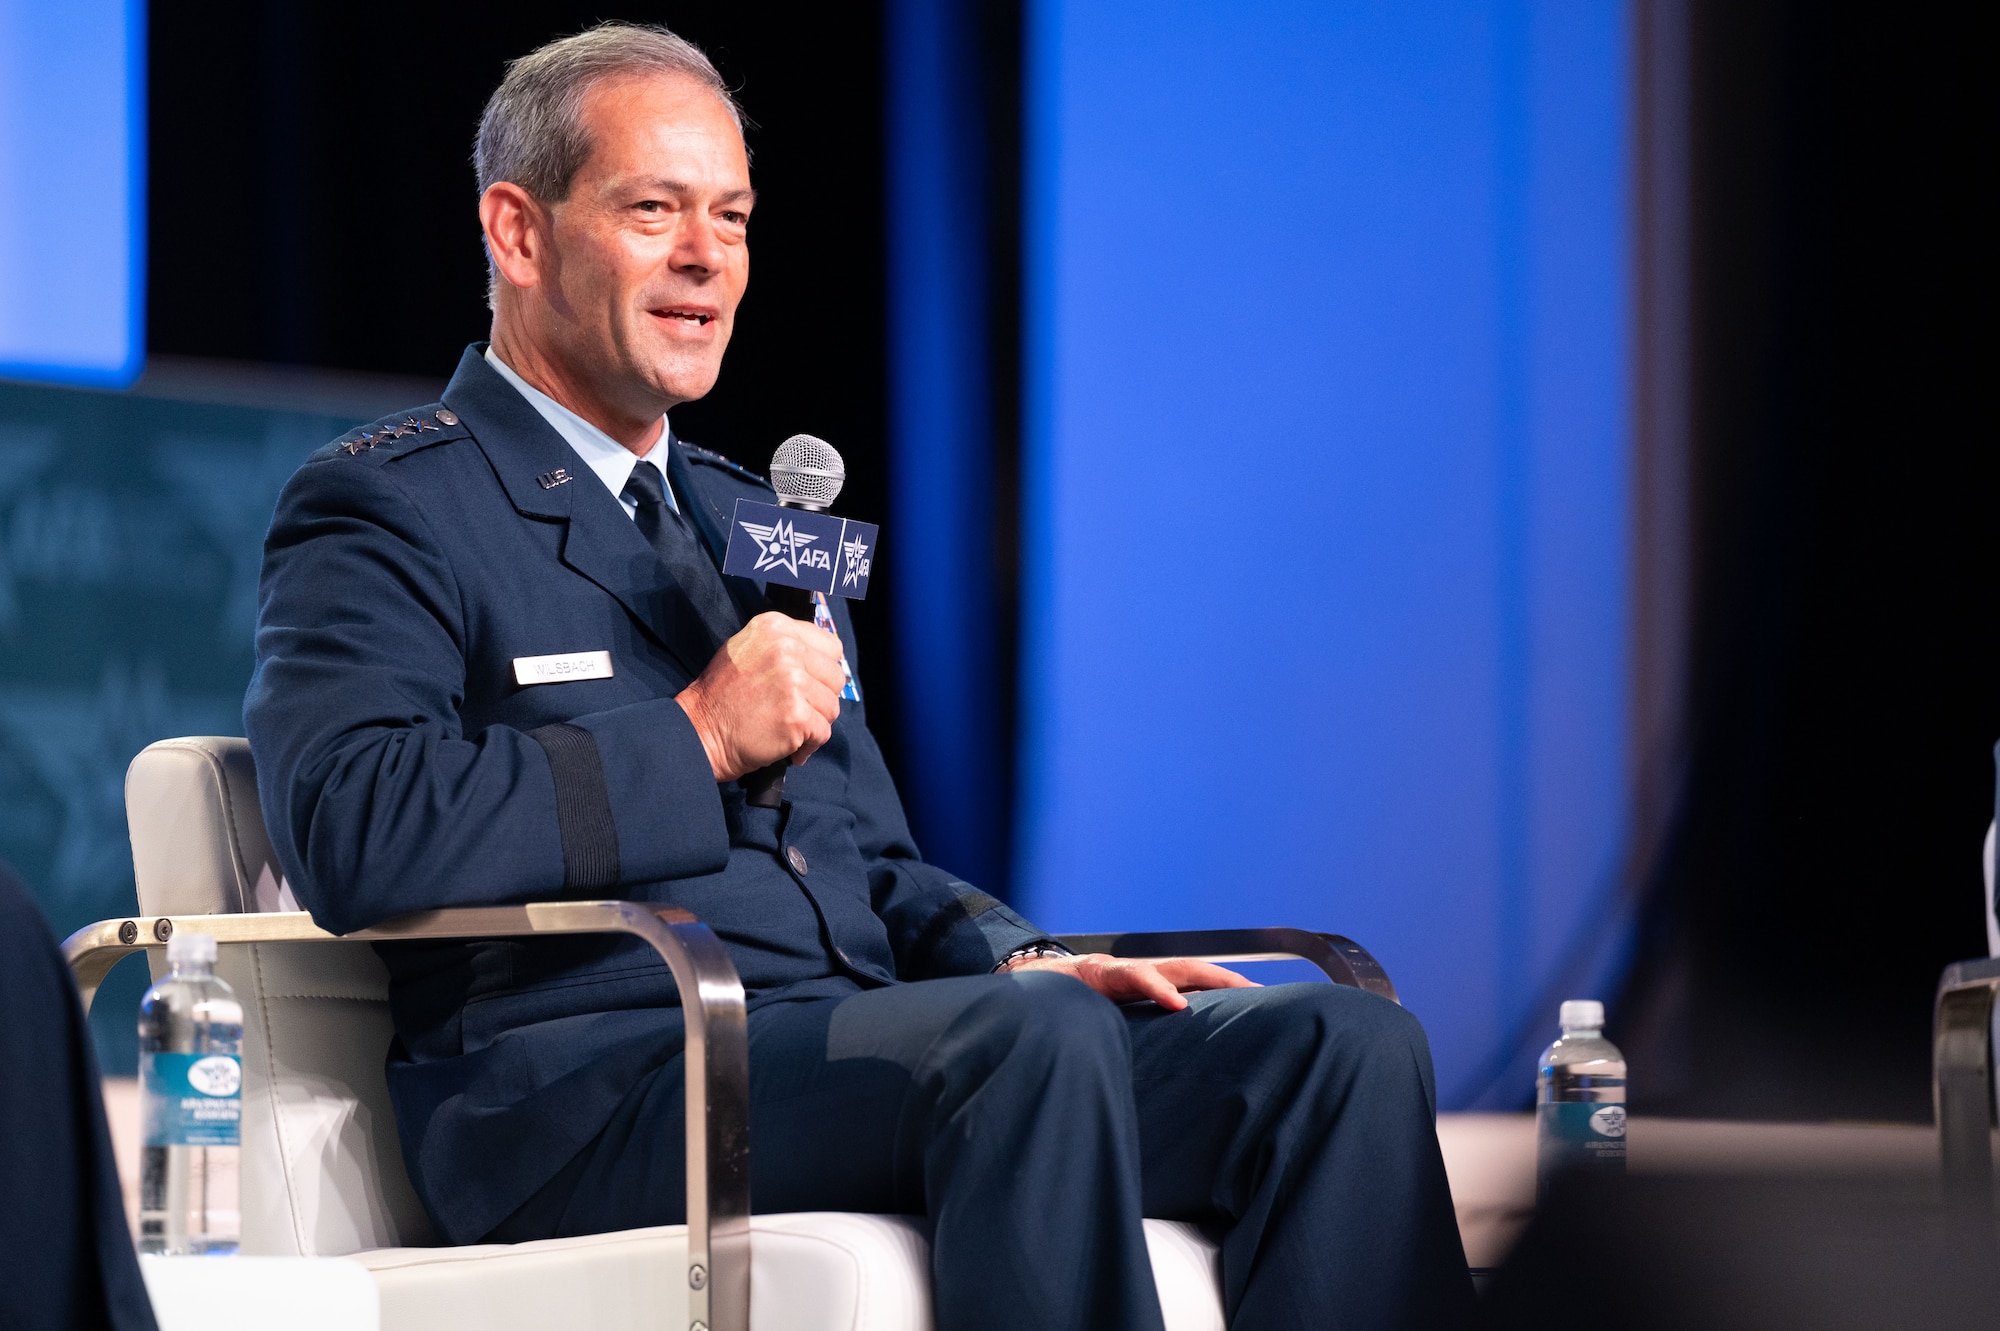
1034,1123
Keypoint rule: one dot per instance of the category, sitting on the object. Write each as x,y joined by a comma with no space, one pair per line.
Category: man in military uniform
916,1047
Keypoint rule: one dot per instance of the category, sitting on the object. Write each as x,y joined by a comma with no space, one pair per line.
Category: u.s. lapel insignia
549,480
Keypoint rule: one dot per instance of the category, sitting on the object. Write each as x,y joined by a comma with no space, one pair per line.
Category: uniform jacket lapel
600,542
708,506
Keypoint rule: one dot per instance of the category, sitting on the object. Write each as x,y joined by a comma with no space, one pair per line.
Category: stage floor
1491,1158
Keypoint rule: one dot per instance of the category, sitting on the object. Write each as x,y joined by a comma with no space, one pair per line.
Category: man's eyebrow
661,185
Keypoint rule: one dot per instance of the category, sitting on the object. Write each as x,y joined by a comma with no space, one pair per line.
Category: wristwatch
1032,950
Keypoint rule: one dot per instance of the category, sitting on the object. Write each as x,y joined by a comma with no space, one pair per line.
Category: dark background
312,203
1847,571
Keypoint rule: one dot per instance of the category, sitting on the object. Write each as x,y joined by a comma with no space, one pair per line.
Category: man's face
647,257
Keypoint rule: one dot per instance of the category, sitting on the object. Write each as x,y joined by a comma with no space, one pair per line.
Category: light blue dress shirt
610,460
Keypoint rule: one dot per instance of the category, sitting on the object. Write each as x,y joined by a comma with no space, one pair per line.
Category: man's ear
516,227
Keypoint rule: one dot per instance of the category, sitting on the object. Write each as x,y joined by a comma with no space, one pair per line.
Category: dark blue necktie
682,552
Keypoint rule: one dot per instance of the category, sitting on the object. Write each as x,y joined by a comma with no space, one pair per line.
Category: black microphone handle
765,787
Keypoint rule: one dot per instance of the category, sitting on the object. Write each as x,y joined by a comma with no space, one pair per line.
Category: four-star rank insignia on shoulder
386,434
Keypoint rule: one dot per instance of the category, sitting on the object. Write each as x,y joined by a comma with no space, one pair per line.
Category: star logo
856,562
778,545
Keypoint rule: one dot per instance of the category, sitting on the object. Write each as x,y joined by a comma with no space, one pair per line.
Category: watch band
1032,950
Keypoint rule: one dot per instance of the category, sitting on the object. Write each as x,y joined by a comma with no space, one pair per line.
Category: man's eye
736,219
648,206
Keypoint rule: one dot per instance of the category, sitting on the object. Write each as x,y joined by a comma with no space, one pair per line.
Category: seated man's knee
1340,1016
1054,1015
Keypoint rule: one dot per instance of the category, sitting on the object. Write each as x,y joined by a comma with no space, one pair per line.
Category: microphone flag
797,547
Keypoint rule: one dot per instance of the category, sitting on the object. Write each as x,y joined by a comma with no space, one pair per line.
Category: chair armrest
718,1048
1344,960
1962,1079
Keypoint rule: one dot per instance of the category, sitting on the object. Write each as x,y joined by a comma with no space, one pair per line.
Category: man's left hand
1125,981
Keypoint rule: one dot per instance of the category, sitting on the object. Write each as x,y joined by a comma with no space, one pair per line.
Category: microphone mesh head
807,472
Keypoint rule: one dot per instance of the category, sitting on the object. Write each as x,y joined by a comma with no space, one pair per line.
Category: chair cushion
812,1271
258,1293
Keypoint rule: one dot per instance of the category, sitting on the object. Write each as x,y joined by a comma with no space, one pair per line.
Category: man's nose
698,249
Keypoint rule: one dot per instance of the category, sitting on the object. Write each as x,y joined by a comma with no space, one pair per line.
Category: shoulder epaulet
399,432
696,453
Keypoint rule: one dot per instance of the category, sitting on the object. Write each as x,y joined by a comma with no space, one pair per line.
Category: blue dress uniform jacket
402,768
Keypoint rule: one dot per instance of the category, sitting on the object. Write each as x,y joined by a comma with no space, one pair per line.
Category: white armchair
322,1170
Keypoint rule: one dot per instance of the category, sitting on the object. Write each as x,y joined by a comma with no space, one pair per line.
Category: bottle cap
191,947
1582,1014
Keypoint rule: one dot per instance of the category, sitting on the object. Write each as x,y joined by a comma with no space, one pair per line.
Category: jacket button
798,860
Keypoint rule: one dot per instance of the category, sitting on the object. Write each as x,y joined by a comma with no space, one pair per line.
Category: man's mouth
690,316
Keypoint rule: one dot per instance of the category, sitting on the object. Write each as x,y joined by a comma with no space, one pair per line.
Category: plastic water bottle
191,1078
1580,1098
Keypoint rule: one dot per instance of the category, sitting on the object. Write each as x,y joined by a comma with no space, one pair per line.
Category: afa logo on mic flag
796,547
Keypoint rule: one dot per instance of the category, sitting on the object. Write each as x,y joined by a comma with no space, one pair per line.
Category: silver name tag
563,668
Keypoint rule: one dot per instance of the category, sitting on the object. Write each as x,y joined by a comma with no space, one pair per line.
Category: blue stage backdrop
1326,527
72,190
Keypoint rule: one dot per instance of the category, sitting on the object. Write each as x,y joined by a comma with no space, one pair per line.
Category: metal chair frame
1962,1091
718,1047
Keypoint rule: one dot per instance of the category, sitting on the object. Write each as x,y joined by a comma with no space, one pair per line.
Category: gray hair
532,130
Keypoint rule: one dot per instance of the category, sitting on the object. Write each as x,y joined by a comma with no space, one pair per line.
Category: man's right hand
772,691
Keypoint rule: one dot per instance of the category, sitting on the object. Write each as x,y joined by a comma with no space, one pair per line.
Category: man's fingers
1124,981
771,692
828,645
774,627
1146,981
818,732
822,697
810,647
1130,982
826,669
809,634
1159,988
1189,975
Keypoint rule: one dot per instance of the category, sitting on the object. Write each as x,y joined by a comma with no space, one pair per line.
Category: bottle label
192,1099
1575,1134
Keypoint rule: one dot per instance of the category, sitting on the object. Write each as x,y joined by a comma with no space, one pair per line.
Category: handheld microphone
803,554
808,474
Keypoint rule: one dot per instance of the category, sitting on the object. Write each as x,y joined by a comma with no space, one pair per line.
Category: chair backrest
322,1169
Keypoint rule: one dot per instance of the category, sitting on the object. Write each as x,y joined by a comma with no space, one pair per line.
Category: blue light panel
1326,495
72,190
